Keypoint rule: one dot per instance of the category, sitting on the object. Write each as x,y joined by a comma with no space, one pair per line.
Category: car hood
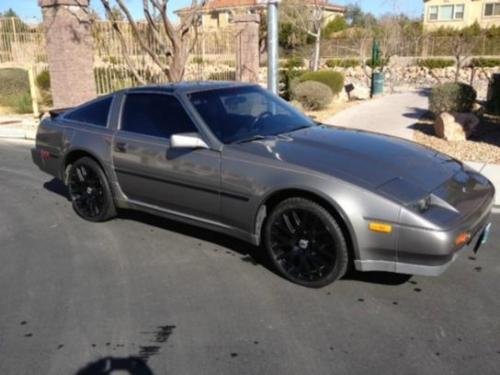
359,157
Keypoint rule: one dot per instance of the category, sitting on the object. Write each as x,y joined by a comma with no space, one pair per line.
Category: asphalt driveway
144,295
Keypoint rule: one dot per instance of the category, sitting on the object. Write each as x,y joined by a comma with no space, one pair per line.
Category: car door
150,171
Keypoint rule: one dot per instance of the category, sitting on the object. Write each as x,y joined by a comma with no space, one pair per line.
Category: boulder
455,126
359,93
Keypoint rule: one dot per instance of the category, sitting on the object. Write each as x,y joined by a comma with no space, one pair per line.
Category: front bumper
429,253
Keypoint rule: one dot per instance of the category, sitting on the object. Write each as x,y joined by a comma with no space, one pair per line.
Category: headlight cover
411,196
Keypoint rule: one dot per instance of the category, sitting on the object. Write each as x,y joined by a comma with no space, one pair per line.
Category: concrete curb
12,133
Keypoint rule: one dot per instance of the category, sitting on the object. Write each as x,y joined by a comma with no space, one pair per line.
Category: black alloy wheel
89,191
305,243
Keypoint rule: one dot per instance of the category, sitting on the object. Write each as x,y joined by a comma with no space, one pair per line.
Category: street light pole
272,45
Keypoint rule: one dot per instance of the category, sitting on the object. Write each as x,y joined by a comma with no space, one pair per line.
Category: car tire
89,191
305,243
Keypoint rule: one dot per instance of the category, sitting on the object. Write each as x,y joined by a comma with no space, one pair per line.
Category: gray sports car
236,159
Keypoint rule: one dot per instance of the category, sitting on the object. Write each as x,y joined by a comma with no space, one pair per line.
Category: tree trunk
178,63
317,52
459,66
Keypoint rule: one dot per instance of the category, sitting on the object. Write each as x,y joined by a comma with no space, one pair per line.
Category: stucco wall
474,11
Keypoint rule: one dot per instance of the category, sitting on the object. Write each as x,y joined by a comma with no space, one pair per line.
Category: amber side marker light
462,238
380,227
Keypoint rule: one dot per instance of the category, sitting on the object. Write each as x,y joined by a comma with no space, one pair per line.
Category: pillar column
70,51
247,47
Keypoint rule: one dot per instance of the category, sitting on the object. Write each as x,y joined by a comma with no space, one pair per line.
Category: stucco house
460,13
218,13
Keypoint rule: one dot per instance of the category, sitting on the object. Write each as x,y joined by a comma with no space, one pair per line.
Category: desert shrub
22,103
452,97
288,78
484,62
380,64
223,76
14,83
43,80
294,63
43,83
435,63
197,60
313,95
342,63
334,80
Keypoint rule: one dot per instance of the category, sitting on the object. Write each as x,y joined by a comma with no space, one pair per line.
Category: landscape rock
455,126
359,93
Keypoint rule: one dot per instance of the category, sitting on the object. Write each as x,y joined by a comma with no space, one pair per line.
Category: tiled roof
225,4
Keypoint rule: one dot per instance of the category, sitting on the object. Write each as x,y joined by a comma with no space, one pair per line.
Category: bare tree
308,16
460,44
175,41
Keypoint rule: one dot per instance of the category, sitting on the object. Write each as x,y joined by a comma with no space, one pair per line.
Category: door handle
121,147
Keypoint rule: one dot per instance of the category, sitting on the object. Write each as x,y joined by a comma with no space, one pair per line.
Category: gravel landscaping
483,145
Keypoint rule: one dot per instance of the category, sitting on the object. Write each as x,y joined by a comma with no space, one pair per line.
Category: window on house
459,12
492,9
447,12
433,13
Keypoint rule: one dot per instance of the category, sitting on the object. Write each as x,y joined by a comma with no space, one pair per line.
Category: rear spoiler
58,111
54,113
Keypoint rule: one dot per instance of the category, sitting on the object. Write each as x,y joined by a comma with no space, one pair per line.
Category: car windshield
240,114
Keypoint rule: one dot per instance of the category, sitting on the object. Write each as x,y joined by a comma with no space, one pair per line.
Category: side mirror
187,140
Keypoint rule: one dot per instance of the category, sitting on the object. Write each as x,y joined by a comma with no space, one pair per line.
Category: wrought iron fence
213,55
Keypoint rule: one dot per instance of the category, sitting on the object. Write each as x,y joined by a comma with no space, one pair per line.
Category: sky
29,10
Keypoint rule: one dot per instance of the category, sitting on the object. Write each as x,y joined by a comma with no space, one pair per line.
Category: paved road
80,298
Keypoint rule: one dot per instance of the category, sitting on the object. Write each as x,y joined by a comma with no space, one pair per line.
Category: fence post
33,93
70,51
247,48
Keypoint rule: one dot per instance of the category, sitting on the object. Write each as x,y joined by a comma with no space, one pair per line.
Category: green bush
435,63
452,97
22,103
294,63
313,95
342,63
483,62
334,80
43,83
43,80
287,80
381,63
14,83
223,76
197,60
339,23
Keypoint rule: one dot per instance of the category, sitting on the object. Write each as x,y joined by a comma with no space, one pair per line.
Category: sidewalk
391,114
18,126
394,115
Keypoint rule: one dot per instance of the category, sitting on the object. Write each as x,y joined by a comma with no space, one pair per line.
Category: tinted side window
155,114
95,113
